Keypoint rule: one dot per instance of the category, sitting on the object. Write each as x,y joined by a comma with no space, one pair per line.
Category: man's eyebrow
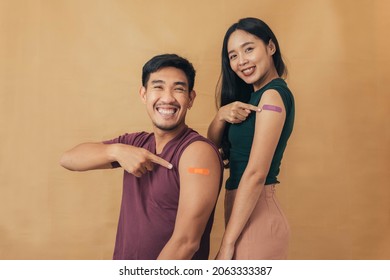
178,83
184,84
163,82
157,82
242,46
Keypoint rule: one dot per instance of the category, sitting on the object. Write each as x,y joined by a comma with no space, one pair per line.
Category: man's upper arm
200,172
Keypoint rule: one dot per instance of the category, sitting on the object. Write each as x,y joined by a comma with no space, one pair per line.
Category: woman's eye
233,56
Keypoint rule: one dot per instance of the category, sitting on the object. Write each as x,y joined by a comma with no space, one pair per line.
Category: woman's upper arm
268,128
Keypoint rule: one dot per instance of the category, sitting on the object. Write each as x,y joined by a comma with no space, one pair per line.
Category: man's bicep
200,178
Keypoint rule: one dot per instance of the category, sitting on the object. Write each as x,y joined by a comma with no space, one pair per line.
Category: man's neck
162,137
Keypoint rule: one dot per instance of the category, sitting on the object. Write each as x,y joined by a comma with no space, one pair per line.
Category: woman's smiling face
250,58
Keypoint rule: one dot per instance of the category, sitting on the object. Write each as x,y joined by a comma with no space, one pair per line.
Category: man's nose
167,96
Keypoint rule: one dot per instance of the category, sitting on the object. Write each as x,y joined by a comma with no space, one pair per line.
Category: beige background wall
70,72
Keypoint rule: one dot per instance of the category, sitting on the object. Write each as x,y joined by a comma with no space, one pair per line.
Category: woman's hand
225,253
236,112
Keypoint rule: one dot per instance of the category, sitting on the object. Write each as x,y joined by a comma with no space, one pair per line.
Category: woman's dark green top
241,136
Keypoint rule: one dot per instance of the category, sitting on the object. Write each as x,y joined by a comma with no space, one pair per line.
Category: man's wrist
112,151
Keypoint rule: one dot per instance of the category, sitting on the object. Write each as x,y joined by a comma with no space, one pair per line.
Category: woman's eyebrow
242,46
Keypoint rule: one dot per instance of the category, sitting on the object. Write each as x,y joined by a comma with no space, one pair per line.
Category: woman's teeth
248,71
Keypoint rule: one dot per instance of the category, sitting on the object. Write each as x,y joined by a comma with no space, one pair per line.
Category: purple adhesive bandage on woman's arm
272,108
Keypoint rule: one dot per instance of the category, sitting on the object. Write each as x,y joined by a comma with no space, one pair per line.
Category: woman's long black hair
230,87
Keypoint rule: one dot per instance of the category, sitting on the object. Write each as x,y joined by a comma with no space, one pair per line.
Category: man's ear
142,94
192,98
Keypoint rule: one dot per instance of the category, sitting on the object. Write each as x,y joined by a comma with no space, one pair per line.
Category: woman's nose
242,60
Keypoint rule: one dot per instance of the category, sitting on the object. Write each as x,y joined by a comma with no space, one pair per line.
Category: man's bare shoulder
201,148
201,158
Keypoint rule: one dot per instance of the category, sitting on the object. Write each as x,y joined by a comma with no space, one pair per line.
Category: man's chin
167,127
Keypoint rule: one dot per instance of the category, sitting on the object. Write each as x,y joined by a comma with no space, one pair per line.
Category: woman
252,126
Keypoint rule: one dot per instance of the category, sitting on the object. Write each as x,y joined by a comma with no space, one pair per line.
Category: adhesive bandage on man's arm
201,171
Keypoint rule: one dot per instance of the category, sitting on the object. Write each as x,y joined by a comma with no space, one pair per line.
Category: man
172,177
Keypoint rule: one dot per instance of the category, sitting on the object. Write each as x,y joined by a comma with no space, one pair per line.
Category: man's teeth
164,111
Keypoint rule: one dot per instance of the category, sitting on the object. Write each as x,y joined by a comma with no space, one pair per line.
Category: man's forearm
179,249
88,156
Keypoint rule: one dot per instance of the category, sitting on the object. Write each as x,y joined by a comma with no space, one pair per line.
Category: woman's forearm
215,130
248,193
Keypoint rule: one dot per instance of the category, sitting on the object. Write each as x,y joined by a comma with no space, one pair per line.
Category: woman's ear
271,47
